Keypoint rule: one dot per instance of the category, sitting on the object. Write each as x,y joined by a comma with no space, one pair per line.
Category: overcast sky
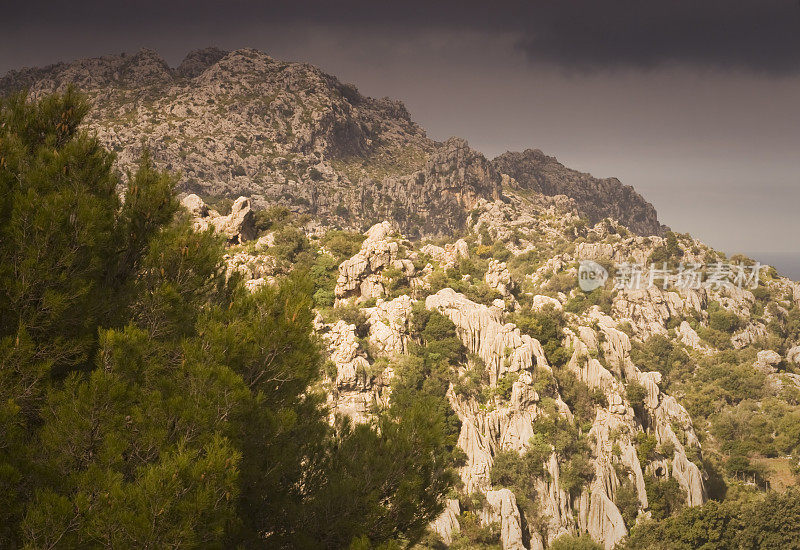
694,103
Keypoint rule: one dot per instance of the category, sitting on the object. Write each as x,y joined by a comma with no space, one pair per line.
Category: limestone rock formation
359,276
501,346
766,361
242,123
446,525
238,226
499,278
503,509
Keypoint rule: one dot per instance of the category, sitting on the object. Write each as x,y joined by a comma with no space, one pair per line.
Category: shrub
664,496
721,319
342,244
571,542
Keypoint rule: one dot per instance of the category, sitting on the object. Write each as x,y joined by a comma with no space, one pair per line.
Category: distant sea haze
787,263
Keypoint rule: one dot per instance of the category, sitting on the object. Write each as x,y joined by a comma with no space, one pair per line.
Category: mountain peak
198,61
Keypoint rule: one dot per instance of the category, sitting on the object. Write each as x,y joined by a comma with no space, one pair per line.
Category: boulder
767,360
688,335
238,226
498,277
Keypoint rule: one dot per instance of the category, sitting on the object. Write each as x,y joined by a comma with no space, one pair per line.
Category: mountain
600,412
595,198
242,123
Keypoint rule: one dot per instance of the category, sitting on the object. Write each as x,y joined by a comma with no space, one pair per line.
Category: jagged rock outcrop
242,123
767,360
389,325
595,198
238,226
359,276
353,389
499,278
446,525
501,346
436,199
605,522
449,254
503,509
688,335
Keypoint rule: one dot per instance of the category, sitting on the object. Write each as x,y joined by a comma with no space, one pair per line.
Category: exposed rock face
501,346
446,525
605,521
595,198
238,226
504,510
499,278
360,275
649,309
793,355
767,360
688,335
353,396
242,123
448,255
388,326
439,196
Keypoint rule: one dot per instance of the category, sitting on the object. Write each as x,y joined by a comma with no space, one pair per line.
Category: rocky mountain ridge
241,123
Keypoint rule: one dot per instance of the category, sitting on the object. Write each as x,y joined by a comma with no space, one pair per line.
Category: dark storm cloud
754,35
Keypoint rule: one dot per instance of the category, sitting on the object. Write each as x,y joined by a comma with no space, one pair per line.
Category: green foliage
659,353
438,334
670,251
324,273
271,218
578,396
519,472
721,319
342,244
715,338
474,535
769,522
562,282
582,301
571,542
645,447
146,401
354,315
467,278
713,525
291,246
665,496
627,502
636,394
546,325
570,446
